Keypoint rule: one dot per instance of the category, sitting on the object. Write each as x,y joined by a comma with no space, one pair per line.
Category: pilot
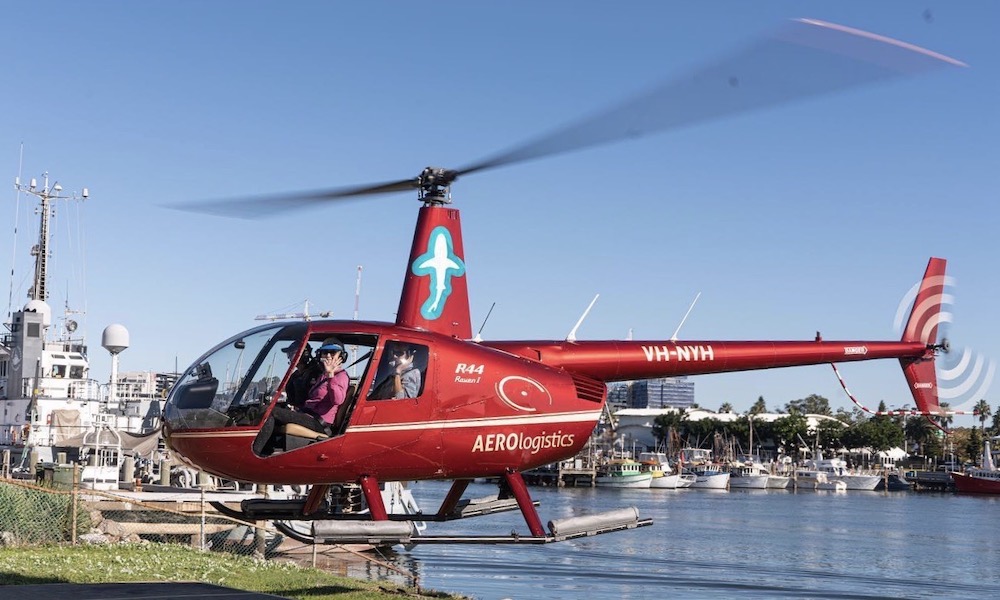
302,377
329,390
404,376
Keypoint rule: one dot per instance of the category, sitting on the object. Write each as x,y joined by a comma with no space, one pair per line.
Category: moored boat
663,475
836,469
623,473
708,475
778,482
822,482
748,473
983,480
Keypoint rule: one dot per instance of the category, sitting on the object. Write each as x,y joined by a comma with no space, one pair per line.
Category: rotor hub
435,185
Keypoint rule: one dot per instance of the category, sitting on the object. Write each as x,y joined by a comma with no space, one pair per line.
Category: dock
571,473
937,481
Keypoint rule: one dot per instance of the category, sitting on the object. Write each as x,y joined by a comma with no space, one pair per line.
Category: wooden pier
938,481
571,473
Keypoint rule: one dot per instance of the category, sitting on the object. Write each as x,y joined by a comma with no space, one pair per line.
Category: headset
333,348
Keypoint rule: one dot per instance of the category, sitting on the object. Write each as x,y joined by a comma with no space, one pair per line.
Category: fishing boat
749,473
664,477
708,475
982,480
623,473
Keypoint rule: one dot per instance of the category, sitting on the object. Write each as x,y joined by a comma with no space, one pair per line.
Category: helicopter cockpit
235,383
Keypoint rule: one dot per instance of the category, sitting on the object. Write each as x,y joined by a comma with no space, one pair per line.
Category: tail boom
625,360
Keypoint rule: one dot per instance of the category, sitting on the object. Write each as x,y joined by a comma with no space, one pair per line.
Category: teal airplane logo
440,263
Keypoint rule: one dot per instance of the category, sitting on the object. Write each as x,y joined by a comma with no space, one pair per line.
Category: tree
726,408
788,430
759,406
919,431
813,404
984,412
995,430
883,433
830,434
974,445
945,419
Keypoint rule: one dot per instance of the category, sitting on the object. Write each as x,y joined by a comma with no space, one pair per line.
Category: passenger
404,377
319,401
330,390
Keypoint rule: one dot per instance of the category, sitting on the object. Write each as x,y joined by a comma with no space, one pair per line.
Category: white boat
822,482
836,469
624,473
778,482
748,474
708,475
664,478
685,480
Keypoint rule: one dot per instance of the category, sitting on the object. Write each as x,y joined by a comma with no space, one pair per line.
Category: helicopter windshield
234,383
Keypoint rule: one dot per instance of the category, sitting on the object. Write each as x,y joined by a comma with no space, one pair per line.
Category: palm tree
726,408
983,410
945,419
918,430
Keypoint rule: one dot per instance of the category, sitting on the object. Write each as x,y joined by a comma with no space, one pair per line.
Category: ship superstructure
48,400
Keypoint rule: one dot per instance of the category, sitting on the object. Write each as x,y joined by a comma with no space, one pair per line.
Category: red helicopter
494,409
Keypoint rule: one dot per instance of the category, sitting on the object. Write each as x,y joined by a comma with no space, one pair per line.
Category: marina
745,543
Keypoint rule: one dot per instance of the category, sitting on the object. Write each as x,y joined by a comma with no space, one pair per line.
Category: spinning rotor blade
249,208
802,59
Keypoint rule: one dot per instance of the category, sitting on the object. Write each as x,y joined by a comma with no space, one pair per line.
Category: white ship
50,403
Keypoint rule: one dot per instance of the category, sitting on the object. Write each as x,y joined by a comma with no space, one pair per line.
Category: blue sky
817,215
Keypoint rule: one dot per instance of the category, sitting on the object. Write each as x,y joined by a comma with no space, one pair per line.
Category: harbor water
705,544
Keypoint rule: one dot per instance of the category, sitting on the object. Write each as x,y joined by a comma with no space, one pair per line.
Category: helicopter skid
387,533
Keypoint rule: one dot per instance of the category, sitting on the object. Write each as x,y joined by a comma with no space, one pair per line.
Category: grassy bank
163,562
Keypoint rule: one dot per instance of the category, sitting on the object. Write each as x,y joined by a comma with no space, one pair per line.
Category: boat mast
39,287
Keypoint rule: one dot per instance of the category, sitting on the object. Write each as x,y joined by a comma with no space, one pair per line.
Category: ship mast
39,287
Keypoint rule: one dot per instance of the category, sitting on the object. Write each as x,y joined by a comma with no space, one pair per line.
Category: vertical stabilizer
435,292
922,326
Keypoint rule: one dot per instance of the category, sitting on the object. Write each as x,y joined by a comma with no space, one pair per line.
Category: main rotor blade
262,206
802,59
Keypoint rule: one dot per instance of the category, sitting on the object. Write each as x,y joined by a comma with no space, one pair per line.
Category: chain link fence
41,514
64,512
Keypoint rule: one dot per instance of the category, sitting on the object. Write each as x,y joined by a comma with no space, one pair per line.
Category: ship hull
971,484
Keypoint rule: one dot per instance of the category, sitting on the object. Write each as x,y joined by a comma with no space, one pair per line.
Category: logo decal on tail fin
440,263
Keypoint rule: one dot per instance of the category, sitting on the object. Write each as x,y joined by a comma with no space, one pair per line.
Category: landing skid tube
559,531
378,528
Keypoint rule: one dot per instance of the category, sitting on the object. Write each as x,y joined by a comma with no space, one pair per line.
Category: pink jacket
326,396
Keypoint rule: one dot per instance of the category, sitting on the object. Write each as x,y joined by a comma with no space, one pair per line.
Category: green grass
163,562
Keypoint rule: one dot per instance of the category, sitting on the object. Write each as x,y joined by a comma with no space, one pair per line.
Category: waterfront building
666,392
